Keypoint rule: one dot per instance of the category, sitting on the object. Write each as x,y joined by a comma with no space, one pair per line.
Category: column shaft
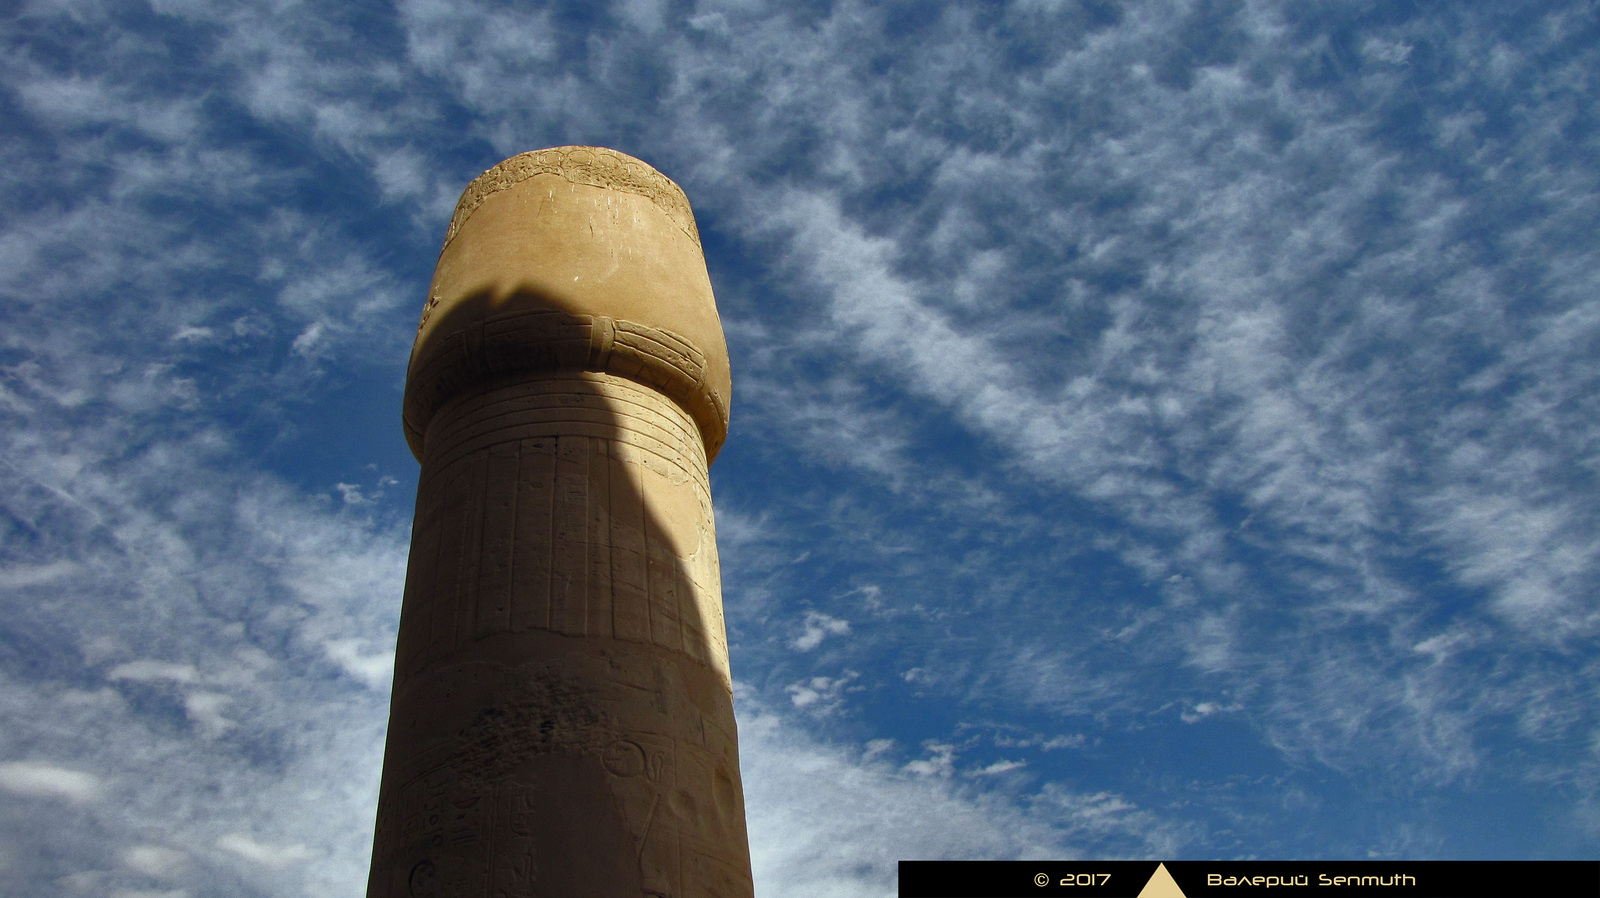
562,719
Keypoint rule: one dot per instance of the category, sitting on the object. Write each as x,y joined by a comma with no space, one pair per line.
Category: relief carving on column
512,343
591,166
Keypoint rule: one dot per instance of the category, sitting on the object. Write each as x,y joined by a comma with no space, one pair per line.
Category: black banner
1251,879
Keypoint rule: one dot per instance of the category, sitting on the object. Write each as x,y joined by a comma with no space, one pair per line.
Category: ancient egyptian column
562,717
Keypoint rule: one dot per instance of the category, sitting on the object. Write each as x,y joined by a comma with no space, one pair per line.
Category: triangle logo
1161,885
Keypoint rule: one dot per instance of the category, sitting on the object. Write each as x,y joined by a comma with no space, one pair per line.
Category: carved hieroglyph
562,718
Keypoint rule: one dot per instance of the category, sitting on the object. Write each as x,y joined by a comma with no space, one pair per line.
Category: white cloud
217,592
350,494
76,102
998,767
1388,51
821,695
940,761
154,860
1202,710
1210,643
1216,367
1041,742
147,670
24,575
826,823
817,627
374,668
42,779
263,853
205,710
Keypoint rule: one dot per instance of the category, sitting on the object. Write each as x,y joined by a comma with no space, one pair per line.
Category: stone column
562,718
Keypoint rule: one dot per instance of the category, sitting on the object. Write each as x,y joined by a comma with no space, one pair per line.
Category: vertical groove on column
666,628
629,584
694,626
530,581
466,585
445,602
600,599
411,651
718,643
499,548
569,579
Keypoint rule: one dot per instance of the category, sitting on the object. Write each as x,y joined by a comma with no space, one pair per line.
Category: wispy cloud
828,821
817,627
40,779
263,853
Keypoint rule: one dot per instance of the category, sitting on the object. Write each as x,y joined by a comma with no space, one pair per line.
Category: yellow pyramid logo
1161,885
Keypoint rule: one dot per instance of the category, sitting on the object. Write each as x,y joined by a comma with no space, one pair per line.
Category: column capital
572,258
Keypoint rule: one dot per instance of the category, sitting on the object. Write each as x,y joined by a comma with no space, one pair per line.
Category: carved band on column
517,343
591,166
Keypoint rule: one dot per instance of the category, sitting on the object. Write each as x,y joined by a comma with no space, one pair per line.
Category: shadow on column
562,721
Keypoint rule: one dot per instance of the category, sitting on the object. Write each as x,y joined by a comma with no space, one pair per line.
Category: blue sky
1162,430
